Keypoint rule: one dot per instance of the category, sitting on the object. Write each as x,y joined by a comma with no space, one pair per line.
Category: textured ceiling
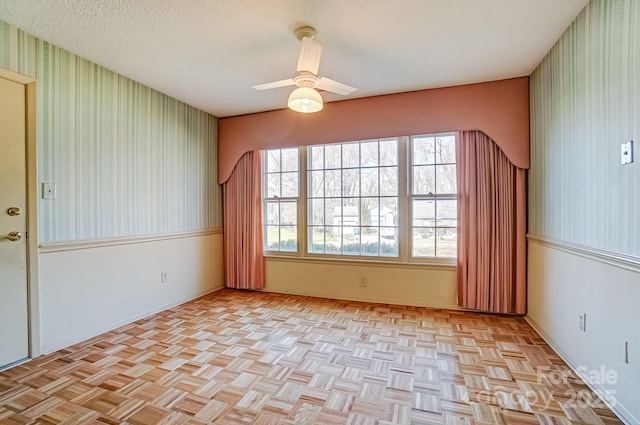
208,53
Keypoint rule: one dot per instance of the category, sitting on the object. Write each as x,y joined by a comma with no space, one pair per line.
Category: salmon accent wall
500,109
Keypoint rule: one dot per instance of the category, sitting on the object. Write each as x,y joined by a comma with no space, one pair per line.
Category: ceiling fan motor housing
305,31
305,79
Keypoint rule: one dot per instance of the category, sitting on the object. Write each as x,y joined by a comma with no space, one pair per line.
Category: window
433,196
389,198
353,198
280,193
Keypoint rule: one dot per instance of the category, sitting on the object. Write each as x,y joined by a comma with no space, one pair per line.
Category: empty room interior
319,212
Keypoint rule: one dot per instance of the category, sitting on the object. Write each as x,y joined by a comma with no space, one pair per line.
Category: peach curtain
243,255
491,227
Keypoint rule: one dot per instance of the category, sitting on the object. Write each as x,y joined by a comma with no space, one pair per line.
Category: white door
14,326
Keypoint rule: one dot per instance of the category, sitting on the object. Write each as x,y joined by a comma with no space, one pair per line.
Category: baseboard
112,326
364,299
14,364
623,413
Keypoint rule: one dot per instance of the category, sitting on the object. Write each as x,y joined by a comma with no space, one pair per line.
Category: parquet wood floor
236,357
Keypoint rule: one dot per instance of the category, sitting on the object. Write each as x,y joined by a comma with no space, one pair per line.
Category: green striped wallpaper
126,159
585,102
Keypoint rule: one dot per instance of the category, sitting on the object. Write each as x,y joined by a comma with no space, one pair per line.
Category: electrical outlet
163,277
362,281
623,350
626,153
582,322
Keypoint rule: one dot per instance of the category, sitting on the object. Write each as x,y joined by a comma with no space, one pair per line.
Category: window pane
389,152
351,241
447,213
446,242
288,238
289,185
350,216
316,157
333,212
316,184
423,150
273,238
273,213
273,185
333,183
388,212
351,183
388,242
369,182
288,213
424,180
446,179
316,239
332,156
333,238
446,149
424,212
370,242
290,159
423,243
273,160
369,154
389,181
316,212
370,211
351,155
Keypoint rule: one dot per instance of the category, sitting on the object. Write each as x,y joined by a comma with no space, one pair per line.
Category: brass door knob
14,236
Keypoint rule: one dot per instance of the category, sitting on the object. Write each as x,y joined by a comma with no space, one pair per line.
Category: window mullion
265,199
404,199
359,194
303,201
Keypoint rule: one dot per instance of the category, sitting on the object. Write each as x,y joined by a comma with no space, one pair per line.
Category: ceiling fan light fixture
306,100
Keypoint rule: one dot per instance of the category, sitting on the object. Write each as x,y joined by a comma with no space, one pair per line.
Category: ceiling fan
306,97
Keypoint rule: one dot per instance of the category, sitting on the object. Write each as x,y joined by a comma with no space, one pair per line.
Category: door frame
33,299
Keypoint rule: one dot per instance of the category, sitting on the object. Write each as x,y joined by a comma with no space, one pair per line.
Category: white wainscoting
87,288
405,284
567,280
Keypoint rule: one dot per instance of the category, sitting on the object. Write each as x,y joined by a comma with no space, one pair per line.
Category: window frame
264,183
379,166
405,213
428,197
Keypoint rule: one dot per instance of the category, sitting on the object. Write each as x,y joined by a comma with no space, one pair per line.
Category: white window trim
411,197
263,201
405,239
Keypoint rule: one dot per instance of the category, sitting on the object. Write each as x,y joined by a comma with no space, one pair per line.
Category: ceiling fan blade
275,84
310,52
334,86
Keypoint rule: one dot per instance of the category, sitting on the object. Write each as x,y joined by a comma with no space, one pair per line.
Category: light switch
49,191
626,153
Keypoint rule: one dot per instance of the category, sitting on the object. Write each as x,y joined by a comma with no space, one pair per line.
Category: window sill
449,265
